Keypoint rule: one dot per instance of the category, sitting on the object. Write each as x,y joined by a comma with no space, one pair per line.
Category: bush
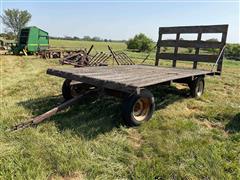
140,43
232,51
212,50
8,36
190,50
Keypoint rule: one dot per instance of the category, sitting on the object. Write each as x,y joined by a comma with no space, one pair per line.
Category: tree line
86,38
141,43
15,19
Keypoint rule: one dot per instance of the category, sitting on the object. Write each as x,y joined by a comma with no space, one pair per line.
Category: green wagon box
32,39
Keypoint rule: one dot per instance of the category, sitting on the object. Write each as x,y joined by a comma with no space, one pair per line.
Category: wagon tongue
38,119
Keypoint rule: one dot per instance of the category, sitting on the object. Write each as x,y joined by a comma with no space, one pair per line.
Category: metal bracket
220,54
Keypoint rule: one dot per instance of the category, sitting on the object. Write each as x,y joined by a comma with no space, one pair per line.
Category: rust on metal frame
83,58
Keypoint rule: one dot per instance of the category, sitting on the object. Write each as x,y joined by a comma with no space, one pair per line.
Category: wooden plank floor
125,78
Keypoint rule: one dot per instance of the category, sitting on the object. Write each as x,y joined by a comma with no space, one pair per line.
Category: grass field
100,46
186,138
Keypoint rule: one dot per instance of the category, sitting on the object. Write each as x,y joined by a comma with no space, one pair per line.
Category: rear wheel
138,109
71,89
197,87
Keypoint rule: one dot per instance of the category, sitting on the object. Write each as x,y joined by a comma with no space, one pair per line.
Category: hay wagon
131,82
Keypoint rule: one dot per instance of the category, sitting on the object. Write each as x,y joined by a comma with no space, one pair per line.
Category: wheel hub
141,108
200,89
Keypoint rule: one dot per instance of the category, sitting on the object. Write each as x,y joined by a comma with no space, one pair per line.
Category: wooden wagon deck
126,78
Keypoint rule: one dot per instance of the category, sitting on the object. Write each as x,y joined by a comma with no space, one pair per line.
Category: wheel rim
200,89
141,108
74,91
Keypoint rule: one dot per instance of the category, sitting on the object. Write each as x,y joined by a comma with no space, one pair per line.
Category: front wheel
138,109
71,89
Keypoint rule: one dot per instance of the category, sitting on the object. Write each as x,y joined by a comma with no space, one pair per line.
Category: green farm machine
31,40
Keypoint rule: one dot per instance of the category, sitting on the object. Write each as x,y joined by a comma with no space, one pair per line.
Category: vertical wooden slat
197,50
224,38
158,50
175,51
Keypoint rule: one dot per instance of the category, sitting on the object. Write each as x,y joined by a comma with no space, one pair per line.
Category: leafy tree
96,38
15,19
140,42
190,50
212,50
76,38
232,51
68,37
8,36
212,40
87,38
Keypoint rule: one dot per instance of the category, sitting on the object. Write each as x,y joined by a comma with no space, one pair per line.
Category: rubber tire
128,104
193,85
66,89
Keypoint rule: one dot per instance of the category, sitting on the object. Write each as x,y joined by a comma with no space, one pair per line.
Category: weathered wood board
196,44
126,78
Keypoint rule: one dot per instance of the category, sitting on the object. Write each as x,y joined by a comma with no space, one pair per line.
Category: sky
122,19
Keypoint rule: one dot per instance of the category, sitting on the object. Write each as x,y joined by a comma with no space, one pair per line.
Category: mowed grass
186,138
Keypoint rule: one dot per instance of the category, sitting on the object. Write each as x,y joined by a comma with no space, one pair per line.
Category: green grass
185,139
99,46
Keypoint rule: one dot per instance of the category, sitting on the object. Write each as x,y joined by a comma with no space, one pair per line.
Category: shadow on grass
233,125
91,117
97,115
166,95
